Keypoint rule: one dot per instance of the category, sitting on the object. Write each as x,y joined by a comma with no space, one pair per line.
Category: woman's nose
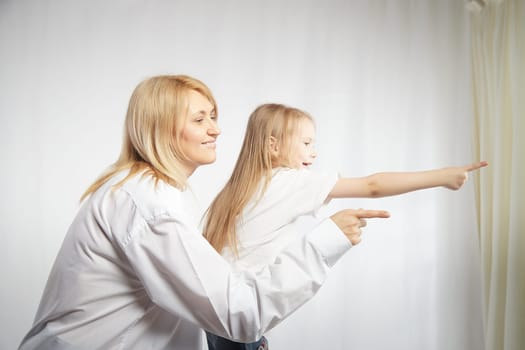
214,129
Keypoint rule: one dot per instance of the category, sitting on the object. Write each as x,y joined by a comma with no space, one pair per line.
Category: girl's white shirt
269,222
134,272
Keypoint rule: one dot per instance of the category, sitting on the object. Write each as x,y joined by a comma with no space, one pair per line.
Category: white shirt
135,273
268,223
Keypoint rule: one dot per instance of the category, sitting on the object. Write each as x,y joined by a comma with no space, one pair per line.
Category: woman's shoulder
152,197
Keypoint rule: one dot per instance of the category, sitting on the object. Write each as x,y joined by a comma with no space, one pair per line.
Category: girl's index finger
476,166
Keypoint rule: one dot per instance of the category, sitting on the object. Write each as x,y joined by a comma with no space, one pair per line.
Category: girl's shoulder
302,174
283,171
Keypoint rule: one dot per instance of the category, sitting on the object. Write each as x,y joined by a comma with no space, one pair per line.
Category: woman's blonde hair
269,123
156,114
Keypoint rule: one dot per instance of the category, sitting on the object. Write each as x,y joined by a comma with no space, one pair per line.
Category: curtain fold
498,55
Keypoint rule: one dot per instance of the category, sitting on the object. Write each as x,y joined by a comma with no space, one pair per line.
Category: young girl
134,272
251,219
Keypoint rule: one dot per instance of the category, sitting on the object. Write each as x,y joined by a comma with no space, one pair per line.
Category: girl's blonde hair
252,169
154,121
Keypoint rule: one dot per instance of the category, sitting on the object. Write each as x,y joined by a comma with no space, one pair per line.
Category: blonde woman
251,219
135,273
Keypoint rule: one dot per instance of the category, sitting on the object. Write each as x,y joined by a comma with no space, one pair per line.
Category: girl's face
199,133
302,151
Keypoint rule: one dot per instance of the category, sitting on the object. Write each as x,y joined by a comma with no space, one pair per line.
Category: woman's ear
274,147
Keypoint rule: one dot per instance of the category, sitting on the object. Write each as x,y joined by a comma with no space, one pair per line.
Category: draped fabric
389,85
498,54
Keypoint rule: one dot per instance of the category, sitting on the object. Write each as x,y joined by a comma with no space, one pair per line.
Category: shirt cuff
330,241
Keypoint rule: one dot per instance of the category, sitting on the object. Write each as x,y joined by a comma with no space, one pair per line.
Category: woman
134,273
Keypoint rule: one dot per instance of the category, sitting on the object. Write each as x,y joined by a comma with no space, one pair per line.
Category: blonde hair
252,169
156,114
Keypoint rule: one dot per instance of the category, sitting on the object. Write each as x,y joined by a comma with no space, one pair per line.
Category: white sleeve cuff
330,241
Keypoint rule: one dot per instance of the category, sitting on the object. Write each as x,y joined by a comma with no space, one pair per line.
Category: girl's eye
307,143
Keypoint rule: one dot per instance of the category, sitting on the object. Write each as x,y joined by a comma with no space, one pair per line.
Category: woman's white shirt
135,273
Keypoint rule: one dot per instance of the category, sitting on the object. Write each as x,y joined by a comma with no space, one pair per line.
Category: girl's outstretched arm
394,183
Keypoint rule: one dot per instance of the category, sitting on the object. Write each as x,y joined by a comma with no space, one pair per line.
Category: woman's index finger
369,214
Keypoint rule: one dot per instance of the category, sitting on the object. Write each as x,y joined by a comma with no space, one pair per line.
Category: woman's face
199,133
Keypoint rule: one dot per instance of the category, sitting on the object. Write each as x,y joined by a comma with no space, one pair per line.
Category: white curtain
498,52
387,81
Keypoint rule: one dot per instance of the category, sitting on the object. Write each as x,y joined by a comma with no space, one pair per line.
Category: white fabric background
387,81
498,51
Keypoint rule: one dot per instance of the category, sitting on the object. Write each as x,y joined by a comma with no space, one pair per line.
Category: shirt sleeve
183,274
296,192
